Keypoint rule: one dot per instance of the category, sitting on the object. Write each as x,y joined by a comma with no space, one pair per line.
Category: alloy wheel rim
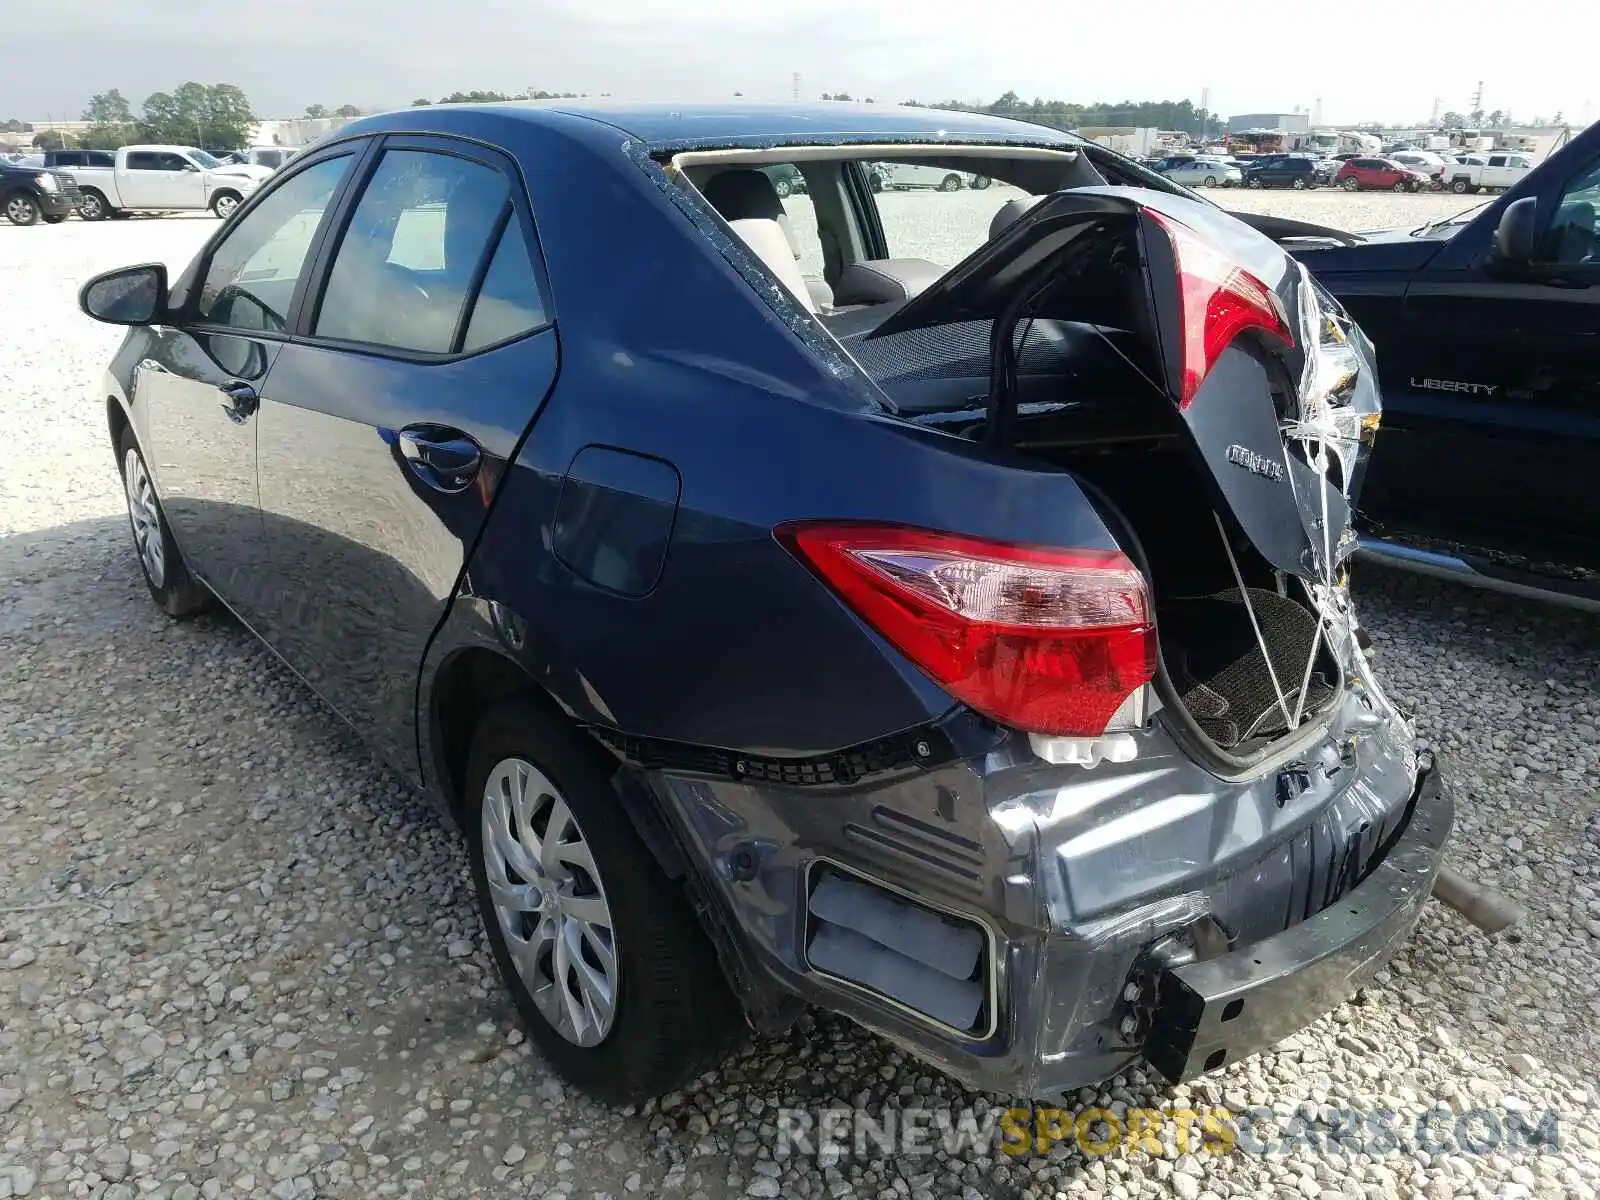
226,205
90,207
18,209
549,902
145,517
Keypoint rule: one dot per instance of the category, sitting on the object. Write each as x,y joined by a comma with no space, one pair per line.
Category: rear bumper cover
1214,1012
1075,878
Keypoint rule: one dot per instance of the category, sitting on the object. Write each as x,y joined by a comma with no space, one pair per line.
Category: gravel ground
239,959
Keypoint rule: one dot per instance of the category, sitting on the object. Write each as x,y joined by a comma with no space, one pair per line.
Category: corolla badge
1255,463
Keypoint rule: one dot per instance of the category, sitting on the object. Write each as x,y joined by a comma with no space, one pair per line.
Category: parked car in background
1485,467
901,176
786,179
1363,174
32,194
1424,162
1288,170
727,742
1494,172
1203,172
164,179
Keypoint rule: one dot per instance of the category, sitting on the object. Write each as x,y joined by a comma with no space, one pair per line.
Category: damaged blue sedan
797,604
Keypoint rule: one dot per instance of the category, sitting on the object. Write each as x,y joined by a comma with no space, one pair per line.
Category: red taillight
1043,640
1217,301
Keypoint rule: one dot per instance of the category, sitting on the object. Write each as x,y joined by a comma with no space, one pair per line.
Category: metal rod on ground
1489,909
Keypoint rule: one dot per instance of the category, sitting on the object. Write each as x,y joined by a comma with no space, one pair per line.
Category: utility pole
1316,114
1477,98
1434,120
1205,112
794,85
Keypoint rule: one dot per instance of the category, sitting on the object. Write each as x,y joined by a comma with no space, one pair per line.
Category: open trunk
1187,372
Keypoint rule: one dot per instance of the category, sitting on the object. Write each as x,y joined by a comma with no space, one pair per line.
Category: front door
1491,428
197,393
386,428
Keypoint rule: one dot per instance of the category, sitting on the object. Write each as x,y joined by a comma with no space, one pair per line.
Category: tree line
194,114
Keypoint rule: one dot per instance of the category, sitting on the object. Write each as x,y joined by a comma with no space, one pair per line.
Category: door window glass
143,160
508,304
405,264
251,277
1571,239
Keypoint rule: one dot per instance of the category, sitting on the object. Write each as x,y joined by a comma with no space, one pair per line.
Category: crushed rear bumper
1223,1009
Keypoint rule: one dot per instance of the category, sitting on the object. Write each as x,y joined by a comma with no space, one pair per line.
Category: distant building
1125,139
1288,122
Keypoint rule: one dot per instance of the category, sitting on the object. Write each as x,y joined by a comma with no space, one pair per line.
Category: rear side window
143,161
509,302
408,258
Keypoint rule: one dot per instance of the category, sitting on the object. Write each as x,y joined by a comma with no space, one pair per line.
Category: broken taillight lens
1217,301
1039,639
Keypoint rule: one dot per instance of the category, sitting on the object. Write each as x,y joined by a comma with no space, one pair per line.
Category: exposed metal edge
1400,556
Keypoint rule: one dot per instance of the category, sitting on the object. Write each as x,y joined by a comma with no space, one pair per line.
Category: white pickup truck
164,179
1495,171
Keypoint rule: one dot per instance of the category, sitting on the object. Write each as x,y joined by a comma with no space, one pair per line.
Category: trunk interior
1129,448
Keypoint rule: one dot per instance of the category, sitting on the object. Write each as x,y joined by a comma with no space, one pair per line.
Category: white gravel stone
211,896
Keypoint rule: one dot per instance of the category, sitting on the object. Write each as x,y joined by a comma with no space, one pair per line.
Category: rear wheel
607,965
174,590
781,186
1460,187
950,183
22,209
92,206
979,182
1352,184
1211,181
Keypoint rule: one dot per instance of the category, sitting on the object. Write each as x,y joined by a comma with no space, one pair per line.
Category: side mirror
1517,235
127,296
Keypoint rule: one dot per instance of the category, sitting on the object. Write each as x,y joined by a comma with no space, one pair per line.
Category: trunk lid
1271,383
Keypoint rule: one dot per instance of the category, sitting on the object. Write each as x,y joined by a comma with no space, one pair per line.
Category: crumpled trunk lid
1272,383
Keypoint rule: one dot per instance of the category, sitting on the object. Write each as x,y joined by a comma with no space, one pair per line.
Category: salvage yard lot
237,958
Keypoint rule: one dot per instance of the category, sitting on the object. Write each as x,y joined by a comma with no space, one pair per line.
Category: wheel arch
117,421
471,680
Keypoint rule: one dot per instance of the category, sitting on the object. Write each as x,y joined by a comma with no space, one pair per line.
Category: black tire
979,182
1352,184
21,209
875,182
56,218
1460,187
1210,181
178,594
92,206
1299,183
950,183
783,189
224,202
674,1015
1402,186
1253,181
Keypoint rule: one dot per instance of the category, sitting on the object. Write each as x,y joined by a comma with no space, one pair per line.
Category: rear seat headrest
742,194
1009,212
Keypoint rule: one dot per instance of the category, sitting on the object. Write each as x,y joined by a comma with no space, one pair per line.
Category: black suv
1289,170
29,195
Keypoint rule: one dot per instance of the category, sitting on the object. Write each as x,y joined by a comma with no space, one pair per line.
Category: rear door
385,428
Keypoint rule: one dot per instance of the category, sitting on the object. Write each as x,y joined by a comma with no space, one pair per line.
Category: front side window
1571,239
406,263
251,277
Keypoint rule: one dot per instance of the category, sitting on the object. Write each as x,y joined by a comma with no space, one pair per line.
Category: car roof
664,123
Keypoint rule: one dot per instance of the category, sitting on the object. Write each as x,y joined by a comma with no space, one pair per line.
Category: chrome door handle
447,460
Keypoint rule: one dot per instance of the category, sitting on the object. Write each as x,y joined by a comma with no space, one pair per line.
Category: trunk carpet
1220,673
